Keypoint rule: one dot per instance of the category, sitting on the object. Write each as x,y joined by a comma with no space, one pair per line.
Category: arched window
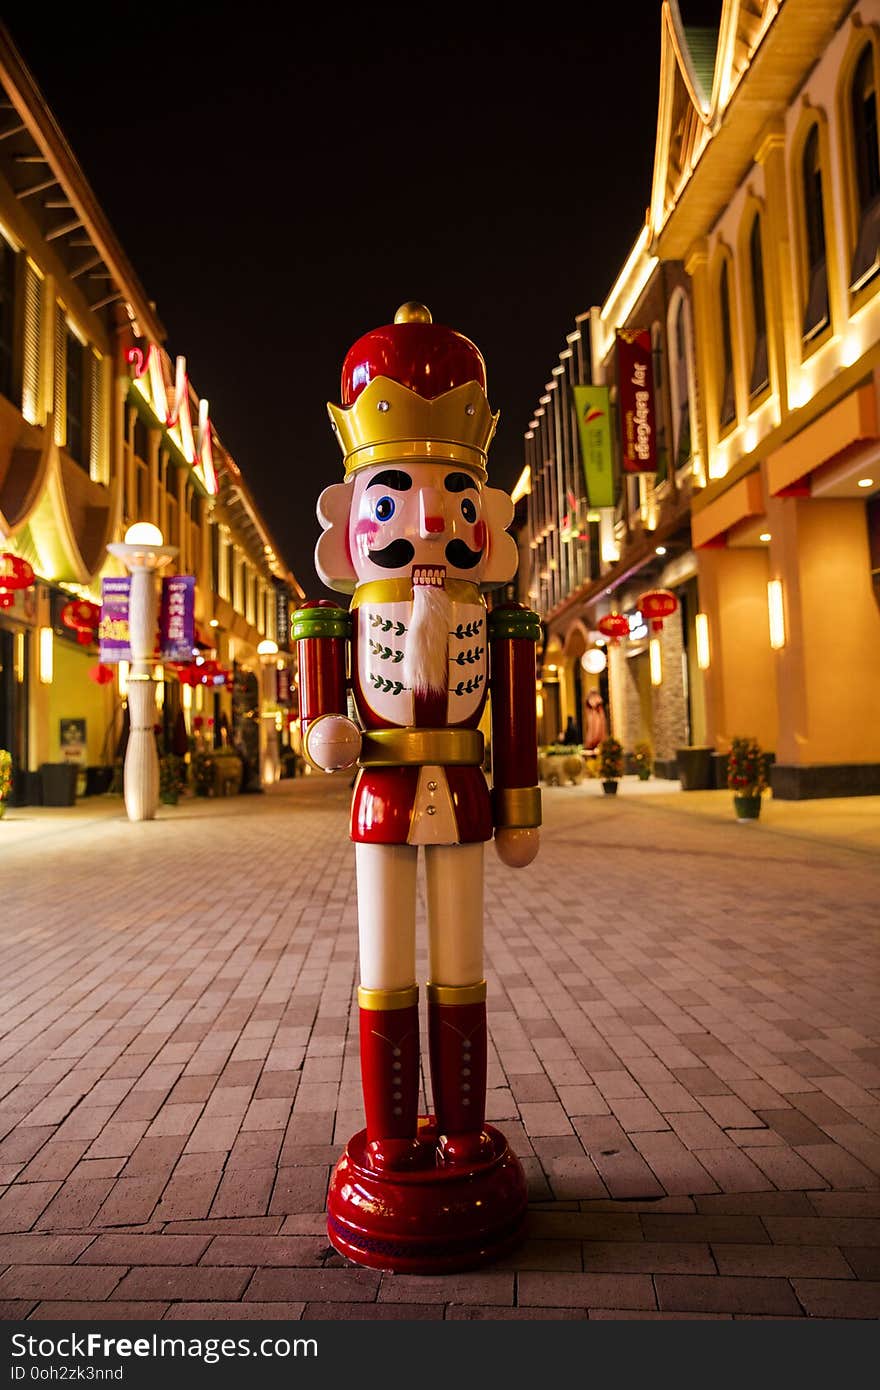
728,397
679,386
816,315
863,96
760,376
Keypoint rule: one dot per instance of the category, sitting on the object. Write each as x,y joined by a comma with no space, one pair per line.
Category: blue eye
468,510
383,510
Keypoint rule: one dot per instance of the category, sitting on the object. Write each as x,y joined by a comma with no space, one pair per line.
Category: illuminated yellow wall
72,695
740,684
829,669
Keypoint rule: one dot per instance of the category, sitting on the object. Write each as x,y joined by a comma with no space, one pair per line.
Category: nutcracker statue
398,685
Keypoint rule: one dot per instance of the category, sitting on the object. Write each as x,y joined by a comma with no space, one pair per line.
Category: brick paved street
685,1023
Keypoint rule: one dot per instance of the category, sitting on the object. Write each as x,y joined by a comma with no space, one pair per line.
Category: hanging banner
282,618
283,687
635,387
113,634
177,617
594,428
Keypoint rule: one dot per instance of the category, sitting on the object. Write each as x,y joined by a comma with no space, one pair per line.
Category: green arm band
321,622
514,622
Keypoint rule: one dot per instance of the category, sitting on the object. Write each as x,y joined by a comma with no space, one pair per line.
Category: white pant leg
386,886
455,913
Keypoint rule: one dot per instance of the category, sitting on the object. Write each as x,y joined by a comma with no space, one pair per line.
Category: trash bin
58,781
694,768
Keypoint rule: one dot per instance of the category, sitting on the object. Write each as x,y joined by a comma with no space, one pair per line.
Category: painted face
417,514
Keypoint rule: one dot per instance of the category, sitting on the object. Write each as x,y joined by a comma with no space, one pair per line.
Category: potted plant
5,778
171,778
642,759
202,770
610,764
746,777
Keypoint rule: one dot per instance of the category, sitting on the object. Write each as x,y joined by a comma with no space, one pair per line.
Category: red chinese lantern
656,605
614,626
15,573
83,617
101,674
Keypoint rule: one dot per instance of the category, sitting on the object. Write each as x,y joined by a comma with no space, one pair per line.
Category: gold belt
404,747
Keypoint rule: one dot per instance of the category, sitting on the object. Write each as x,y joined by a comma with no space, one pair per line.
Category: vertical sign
113,628
177,617
594,429
283,686
282,618
635,385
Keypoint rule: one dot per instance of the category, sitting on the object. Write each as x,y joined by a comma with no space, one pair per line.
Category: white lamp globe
267,647
594,661
144,533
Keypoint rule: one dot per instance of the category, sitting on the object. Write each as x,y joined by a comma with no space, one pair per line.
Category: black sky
282,183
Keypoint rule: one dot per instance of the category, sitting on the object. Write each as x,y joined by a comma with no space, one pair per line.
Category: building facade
99,428
757,277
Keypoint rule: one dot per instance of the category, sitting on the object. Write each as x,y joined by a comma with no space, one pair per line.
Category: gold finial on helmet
413,312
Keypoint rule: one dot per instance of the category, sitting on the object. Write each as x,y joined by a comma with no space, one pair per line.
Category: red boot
390,1076
458,1044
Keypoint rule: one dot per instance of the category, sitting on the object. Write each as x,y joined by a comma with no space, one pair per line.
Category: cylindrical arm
321,631
513,633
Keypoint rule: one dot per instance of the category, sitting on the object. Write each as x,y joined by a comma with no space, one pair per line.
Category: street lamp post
144,553
267,651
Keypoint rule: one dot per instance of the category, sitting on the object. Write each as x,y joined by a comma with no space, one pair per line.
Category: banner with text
113,635
282,618
594,428
635,385
283,687
177,617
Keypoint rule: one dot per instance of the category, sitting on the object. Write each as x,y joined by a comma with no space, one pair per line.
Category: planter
99,779
643,774
59,783
2,809
694,768
747,807
169,798
609,788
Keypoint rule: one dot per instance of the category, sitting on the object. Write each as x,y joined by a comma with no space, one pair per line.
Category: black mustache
394,556
461,556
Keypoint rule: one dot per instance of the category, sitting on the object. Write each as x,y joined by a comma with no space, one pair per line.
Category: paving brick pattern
685,1053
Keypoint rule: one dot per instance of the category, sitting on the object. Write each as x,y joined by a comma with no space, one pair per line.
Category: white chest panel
382,635
468,661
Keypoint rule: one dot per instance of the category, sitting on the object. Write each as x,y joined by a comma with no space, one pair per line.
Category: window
31,375
224,588
74,396
866,258
7,318
679,386
816,314
760,376
214,578
728,398
140,442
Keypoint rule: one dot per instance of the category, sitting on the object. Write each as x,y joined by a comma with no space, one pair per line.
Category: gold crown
388,423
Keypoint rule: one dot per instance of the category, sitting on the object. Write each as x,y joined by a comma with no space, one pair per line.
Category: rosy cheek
365,535
480,535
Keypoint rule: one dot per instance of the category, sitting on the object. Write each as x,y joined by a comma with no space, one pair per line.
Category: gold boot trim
457,994
377,999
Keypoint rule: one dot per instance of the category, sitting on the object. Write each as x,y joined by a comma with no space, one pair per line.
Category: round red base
431,1220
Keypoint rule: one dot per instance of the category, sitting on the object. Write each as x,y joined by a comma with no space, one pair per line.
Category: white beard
426,656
